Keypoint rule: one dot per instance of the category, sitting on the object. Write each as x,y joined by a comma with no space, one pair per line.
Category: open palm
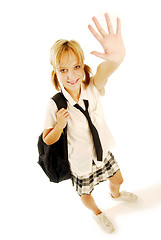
111,42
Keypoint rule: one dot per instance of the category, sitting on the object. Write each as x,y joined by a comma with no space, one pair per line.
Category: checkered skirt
85,184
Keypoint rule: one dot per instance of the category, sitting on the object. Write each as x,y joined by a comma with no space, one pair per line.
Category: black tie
94,132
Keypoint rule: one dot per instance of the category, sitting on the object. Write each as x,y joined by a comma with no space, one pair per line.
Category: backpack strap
61,102
54,158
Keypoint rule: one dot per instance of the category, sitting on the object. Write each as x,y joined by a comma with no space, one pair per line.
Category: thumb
98,54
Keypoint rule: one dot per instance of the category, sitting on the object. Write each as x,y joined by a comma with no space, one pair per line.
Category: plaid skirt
86,183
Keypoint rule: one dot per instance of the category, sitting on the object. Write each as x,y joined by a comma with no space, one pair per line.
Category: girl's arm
52,135
114,50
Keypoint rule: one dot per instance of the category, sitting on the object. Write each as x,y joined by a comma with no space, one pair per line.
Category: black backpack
53,159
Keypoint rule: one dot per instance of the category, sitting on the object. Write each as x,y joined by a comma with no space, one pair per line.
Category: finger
61,110
109,24
65,115
118,30
99,27
95,34
98,54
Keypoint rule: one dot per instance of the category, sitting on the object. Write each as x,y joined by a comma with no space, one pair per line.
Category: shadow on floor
149,197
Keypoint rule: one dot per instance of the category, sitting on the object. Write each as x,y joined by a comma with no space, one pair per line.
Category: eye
77,67
63,70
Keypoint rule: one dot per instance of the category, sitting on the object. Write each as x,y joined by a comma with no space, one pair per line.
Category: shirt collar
83,95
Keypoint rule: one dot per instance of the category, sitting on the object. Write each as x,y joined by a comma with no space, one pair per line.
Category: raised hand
62,117
111,42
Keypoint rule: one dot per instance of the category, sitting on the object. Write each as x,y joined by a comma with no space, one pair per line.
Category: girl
73,78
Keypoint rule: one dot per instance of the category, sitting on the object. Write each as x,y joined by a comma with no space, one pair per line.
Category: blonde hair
56,53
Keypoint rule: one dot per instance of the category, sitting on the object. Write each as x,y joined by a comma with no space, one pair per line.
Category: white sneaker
104,222
126,197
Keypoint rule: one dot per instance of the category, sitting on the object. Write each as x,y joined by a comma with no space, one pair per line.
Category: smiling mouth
72,83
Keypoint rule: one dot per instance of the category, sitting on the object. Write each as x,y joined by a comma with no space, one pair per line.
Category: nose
71,75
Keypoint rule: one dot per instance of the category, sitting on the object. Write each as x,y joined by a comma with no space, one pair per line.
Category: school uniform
86,170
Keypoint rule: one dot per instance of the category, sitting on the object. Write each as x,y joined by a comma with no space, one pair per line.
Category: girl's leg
89,202
101,219
115,183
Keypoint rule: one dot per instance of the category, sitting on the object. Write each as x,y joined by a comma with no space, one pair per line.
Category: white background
31,206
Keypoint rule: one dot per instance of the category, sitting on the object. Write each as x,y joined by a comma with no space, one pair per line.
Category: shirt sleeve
50,117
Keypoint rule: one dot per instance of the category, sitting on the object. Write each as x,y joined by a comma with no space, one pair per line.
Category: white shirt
81,149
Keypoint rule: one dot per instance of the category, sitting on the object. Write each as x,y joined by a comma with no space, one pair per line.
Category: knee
85,197
117,179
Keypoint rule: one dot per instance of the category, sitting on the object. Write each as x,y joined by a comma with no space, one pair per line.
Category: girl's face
70,72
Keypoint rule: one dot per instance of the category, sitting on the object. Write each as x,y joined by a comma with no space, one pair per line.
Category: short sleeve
101,93
50,117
